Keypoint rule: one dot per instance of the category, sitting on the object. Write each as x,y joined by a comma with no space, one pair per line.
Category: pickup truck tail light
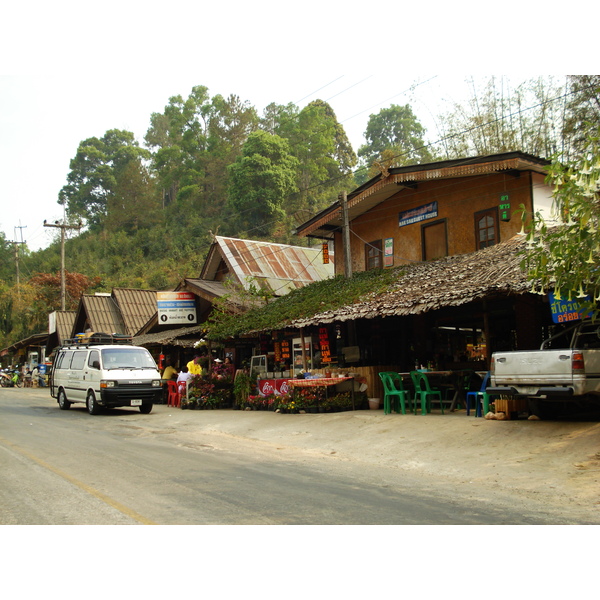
577,362
492,366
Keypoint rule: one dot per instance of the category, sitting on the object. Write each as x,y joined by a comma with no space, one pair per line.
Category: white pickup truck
566,369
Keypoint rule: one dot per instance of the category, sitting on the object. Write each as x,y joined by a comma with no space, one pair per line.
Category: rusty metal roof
278,268
137,307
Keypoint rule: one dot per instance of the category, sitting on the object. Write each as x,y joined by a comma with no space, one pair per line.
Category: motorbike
11,378
5,380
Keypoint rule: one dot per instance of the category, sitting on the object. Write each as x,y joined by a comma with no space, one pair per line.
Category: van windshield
127,358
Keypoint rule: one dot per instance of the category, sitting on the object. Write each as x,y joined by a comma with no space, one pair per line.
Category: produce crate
512,405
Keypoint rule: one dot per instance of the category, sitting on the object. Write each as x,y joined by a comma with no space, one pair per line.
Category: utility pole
63,286
16,248
346,235
351,325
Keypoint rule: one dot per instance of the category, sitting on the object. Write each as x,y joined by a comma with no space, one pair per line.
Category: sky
71,70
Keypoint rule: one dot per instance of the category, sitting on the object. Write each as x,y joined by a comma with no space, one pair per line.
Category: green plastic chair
394,395
425,393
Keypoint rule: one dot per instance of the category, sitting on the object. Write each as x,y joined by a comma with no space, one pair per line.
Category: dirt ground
555,463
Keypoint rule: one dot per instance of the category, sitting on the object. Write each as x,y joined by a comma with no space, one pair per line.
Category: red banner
279,387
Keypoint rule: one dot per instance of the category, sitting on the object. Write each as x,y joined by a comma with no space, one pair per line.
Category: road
67,467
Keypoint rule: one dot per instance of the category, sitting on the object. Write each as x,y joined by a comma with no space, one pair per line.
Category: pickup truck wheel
63,403
92,404
145,409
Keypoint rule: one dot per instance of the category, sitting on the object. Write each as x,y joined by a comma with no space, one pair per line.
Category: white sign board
176,307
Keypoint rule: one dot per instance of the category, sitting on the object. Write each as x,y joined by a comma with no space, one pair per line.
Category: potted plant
242,386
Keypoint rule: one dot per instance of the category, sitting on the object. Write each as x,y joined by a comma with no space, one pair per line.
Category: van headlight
156,383
107,383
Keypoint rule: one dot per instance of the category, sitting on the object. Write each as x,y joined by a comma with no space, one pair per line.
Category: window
79,359
373,254
435,240
94,357
486,228
64,360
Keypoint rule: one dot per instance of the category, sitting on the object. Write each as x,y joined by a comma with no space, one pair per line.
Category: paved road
67,467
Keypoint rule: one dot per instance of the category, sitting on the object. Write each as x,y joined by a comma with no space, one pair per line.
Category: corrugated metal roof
137,307
278,268
103,314
65,319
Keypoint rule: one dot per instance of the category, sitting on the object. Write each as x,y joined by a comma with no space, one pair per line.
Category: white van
105,372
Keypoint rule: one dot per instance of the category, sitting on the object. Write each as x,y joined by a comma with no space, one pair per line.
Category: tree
583,113
325,156
94,173
563,254
261,180
499,119
47,289
134,203
7,259
394,129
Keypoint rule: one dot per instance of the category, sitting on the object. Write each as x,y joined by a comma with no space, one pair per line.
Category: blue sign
565,311
415,215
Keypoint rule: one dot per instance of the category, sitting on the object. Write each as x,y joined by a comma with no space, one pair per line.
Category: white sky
71,70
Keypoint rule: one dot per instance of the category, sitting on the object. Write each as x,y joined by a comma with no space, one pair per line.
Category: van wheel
92,405
145,409
63,403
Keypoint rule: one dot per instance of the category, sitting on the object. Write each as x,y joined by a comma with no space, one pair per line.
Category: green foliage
261,180
564,248
395,129
499,119
583,113
303,302
95,171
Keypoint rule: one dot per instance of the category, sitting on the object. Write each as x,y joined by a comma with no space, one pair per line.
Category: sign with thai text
176,307
416,215
388,252
565,311
324,345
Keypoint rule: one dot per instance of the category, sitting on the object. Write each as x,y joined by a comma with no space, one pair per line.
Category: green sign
504,207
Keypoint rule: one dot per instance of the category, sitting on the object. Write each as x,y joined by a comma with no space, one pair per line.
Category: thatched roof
172,337
449,281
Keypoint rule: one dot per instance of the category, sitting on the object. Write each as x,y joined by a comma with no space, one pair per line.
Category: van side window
79,359
94,357
64,360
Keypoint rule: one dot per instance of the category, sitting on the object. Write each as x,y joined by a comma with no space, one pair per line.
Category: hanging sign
421,213
388,252
325,247
565,311
176,307
324,345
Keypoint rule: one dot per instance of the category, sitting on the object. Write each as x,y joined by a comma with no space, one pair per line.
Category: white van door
77,385
93,372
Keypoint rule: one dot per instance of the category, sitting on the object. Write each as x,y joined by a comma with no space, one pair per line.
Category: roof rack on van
99,339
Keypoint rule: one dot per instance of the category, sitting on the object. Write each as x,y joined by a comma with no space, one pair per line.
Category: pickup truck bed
563,373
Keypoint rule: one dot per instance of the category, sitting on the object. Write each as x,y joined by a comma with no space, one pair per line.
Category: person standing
194,367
